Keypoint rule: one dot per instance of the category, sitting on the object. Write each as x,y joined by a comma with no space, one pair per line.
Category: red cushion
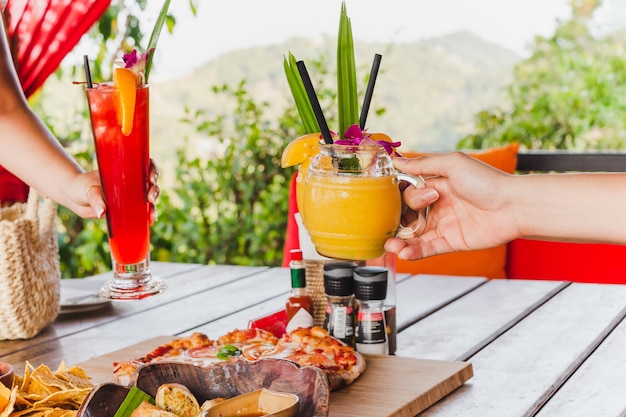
292,241
578,262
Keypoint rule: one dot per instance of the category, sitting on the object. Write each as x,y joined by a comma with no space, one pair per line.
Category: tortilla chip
44,393
43,381
8,408
72,398
5,396
75,377
31,412
60,412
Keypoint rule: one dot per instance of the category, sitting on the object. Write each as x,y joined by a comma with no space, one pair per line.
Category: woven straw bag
30,277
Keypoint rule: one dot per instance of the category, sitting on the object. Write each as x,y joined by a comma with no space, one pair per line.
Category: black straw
370,90
87,71
317,109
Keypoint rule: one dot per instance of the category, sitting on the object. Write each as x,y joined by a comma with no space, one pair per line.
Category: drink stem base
132,282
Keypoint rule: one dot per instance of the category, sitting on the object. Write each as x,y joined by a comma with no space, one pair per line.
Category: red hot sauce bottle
299,305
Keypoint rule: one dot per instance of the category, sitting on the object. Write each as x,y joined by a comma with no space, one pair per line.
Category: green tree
228,205
569,94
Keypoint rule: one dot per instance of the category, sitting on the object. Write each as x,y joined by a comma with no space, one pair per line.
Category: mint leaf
351,164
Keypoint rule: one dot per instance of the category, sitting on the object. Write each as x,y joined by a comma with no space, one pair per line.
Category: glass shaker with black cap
370,290
340,318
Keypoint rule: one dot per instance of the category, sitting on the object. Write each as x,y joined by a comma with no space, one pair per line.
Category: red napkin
275,323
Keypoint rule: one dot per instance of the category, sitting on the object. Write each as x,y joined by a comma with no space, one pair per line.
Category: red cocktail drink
124,165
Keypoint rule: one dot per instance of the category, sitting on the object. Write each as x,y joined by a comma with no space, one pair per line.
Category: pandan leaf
132,400
305,110
154,37
348,111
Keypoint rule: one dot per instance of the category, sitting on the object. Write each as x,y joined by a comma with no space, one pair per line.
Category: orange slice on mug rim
300,149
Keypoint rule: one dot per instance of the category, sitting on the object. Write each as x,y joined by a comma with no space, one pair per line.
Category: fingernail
430,194
99,211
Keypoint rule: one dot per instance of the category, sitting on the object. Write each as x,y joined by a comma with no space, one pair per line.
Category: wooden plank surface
520,370
68,324
471,322
193,299
417,297
381,391
420,295
597,387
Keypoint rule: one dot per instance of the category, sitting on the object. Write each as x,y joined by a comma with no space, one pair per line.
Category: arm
29,150
476,206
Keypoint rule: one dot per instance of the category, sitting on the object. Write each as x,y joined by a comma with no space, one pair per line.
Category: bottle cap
370,283
338,280
295,254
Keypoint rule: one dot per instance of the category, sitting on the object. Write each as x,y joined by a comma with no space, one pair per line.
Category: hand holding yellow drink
347,190
349,197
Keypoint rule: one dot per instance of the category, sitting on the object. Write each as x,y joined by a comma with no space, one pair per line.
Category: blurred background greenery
218,135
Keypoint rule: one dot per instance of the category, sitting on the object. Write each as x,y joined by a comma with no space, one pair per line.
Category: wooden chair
579,262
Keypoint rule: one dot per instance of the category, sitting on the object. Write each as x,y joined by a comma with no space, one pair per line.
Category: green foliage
568,95
229,205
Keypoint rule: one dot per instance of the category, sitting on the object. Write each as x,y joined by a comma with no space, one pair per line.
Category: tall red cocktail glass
124,165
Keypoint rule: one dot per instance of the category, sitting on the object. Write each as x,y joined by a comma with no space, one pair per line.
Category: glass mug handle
417,226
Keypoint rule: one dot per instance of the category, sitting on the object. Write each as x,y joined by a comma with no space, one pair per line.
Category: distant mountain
430,89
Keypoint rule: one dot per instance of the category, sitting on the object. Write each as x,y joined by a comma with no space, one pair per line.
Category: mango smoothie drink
351,202
350,217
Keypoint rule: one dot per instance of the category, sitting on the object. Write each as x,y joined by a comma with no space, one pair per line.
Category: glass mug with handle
351,201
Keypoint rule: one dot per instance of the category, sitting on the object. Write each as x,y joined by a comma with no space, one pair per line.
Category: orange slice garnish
300,149
126,84
380,136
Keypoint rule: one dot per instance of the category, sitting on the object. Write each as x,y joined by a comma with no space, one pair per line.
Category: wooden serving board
391,386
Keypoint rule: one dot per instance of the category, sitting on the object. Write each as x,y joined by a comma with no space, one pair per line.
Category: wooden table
541,348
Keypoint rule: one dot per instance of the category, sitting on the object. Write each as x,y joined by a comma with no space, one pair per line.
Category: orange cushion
490,263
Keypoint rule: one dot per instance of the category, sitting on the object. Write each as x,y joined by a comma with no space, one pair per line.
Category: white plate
76,301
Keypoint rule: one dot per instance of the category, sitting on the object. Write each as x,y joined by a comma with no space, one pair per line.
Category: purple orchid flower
136,62
354,136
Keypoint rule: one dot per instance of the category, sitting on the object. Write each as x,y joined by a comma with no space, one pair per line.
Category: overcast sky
234,24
